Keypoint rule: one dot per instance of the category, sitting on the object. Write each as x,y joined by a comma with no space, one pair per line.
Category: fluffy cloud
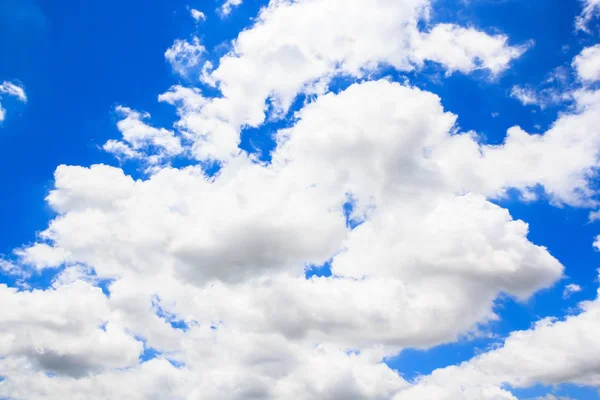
205,274
41,256
142,140
526,160
11,89
462,49
427,254
551,353
63,336
298,47
587,64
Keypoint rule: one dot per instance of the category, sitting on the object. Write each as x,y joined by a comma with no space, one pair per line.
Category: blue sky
79,61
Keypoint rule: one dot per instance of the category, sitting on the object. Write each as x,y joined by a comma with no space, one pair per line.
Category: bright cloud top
191,284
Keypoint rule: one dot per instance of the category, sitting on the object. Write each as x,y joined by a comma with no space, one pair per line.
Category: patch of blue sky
414,363
564,391
175,322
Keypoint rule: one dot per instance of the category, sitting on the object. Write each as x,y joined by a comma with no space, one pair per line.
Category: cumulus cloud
204,294
164,239
298,47
41,256
64,330
11,89
462,49
587,64
552,352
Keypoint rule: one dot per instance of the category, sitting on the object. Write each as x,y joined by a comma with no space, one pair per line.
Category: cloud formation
186,283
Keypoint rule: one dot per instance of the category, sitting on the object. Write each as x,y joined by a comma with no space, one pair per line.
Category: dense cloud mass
207,271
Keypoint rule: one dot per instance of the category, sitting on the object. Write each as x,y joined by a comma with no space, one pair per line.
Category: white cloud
526,160
551,353
587,64
298,47
208,271
229,5
197,15
229,251
9,268
525,96
552,92
11,89
41,256
570,289
465,50
594,216
142,140
184,56
59,330
591,8
557,88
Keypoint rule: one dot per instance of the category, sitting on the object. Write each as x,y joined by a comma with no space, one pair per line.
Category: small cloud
594,216
226,8
198,15
525,96
9,268
184,56
495,115
555,89
11,89
570,289
121,150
